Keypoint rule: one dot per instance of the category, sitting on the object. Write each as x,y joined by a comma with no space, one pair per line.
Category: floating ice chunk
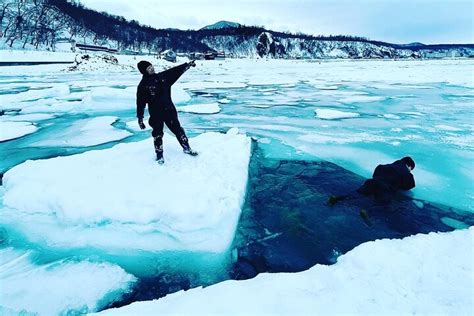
26,117
89,132
396,130
259,106
392,116
268,90
204,108
179,95
448,128
12,130
120,198
328,114
443,284
412,113
60,287
361,99
12,100
224,101
341,93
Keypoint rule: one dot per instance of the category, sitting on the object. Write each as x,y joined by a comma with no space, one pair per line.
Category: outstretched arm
173,74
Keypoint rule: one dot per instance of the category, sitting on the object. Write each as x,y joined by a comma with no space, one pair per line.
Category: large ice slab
422,274
120,198
88,132
59,287
202,108
12,130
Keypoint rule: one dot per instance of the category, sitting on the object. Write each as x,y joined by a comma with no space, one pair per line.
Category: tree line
43,22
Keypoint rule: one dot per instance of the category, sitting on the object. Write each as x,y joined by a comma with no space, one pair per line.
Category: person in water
389,179
386,181
155,90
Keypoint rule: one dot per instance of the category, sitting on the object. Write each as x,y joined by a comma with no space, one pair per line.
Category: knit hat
142,66
409,162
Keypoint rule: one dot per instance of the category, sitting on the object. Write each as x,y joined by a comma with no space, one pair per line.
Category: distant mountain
221,25
44,24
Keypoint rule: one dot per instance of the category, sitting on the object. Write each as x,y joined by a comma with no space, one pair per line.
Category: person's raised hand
141,124
192,63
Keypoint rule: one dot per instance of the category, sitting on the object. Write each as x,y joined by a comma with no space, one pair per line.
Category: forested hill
41,23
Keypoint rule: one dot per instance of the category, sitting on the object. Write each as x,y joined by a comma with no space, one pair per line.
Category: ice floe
361,99
120,198
26,117
224,101
88,132
329,114
12,130
203,108
422,274
59,287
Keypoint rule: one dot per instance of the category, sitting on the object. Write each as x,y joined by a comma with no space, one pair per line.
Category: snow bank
12,130
204,108
423,274
59,287
89,132
328,114
120,198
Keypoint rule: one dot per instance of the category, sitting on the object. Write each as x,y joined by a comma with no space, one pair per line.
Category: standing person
155,90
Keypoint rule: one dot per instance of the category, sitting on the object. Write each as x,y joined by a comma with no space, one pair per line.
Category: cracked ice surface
119,198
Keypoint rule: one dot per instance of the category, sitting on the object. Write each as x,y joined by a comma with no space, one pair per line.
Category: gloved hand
141,124
192,63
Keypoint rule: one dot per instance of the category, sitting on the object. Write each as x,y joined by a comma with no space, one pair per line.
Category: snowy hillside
23,28
221,25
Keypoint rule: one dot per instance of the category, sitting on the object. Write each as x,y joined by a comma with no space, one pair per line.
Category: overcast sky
396,21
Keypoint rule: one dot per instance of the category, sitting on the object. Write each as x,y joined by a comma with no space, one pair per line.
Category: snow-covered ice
423,274
120,198
58,287
361,98
26,117
418,108
12,130
192,85
202,108
88,132
224,101
328,114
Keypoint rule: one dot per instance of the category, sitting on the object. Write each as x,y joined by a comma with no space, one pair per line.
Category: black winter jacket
395,176
155,90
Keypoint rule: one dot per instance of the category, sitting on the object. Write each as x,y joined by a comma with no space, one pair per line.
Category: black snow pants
167,116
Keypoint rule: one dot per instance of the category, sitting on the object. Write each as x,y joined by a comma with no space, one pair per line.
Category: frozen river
355,114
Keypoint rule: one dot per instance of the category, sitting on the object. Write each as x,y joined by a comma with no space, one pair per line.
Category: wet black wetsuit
387,180
155,90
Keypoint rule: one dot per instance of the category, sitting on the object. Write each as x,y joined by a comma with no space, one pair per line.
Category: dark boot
183,140
158,143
